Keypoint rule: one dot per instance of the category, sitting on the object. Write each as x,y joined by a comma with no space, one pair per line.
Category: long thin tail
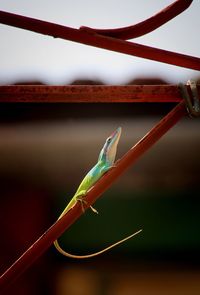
56,244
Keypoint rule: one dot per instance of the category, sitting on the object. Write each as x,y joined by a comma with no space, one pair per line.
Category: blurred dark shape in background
46,149
87,82
147,81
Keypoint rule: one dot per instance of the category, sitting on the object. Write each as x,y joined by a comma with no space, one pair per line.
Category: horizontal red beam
45,241
90,93
101,41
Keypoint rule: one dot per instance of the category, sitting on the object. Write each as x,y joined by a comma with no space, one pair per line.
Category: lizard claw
94,210
84,202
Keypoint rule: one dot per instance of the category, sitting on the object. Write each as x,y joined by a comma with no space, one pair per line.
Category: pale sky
25,55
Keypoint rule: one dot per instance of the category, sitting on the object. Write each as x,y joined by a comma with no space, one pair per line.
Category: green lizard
105,162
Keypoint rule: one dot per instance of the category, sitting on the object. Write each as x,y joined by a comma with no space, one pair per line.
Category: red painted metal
147,25
89,37
101,41
45,241
90,93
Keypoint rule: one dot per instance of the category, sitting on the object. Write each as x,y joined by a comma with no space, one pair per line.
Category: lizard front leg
80,198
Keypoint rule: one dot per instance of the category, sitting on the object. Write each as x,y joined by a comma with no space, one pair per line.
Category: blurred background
46,149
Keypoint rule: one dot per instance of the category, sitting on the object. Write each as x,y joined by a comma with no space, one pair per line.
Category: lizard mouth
116,134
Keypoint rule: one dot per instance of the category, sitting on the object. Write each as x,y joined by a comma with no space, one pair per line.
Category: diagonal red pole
45,241
97,40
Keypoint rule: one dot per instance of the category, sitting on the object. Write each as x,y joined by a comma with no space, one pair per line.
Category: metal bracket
191,97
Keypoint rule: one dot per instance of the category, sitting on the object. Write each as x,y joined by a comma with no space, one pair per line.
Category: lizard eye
109,139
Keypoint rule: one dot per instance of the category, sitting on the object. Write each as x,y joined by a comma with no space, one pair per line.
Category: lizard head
109,149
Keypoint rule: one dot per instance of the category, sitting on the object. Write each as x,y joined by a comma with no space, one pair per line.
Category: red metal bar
45,241
100,41
147,25
90,93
